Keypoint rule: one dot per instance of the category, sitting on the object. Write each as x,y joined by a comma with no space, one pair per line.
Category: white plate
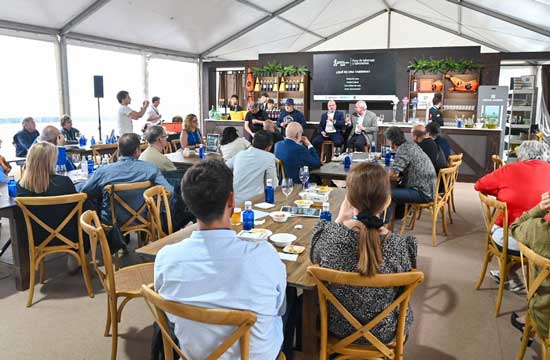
255,234
282,239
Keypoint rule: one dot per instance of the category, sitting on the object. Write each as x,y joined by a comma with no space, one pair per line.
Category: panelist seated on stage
295,151
157,139
25,137
290,114
362,128
331,127
128,169
191,136
70,133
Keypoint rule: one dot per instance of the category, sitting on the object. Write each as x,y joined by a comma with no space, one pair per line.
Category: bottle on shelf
12,187
282,86
248,216
211,112
325,214
269,192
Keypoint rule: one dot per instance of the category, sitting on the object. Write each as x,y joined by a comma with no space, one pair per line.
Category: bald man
296,151
52,135
331,127
429,146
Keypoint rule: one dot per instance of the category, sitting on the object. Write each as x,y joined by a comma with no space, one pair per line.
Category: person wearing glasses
191,136
157,139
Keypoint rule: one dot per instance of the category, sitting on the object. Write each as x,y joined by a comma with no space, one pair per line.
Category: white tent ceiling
241,29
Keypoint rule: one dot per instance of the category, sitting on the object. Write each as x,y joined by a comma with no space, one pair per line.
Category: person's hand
145,103
306,141
60,140
361,127
324,134
545,203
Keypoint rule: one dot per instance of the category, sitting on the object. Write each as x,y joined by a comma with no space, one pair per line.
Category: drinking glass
286,188
76,160
236,217
304,176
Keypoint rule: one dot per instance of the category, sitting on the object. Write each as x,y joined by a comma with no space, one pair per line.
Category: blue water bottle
201,152
107,139
325,214
387,158
90,165
347,161
92,142
373,148
82,141
248,216
113,139
12,187
269,192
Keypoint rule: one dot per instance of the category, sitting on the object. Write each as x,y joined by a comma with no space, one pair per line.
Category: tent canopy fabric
241,29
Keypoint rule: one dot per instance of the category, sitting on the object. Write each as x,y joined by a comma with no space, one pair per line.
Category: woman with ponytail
358,242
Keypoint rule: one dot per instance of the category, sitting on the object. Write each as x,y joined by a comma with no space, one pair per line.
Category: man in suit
331,127
362,128
295,151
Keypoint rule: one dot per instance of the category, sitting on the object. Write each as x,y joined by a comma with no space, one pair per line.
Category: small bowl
323,189
282,239
303,204
280,216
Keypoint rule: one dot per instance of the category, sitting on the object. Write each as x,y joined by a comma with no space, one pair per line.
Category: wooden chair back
497,162
157,202
167,148
137,220
111,150
454,158
445,181
280,169
176,144
492,209
408,281
92,226
243,320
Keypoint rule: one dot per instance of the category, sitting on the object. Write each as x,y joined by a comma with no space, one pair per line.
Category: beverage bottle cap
269,182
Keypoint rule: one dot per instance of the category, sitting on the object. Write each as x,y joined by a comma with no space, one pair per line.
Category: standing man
289,114
152,115
363,128
254,120
331,127
435,111
25,138
126,114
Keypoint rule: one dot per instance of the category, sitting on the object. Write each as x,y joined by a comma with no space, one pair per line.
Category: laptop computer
212,143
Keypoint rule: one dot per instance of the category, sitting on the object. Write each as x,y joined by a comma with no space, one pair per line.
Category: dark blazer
339,121
23,140
444,145
294,156
434,152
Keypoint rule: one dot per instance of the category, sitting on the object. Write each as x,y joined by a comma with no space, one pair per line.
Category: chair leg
486,260
449,212
114,329
503,273
414,218
408,208
434,224
108,322
32,280
444,219
86,272
453,200
525,339
419,214
41,272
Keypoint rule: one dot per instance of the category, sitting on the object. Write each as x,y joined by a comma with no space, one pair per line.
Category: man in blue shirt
295,151
25,138
213,268
128,169
434,131
289,115
331,127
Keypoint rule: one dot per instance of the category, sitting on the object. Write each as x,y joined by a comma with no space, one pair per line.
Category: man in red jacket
520,185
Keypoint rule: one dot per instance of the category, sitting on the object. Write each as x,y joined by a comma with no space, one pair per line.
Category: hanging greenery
442,66
277,69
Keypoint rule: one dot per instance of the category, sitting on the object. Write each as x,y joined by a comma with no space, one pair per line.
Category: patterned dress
335,246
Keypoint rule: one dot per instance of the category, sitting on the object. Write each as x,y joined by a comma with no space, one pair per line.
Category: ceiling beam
387,5
346,29
259,8
451,31
501,16
251,27
128,45
95,6
35,29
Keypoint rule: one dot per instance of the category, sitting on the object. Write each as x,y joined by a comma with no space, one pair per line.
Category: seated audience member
254,120
5,168
429,146
290,115
270,127
415,170
362,128
358,242
191,136
157,139
52,135
435,111
71,134
231,143
234,104
177,119
533,230
295,151
252,168
25,137
434,131
520,185
40,179
233,274
128,169
331,127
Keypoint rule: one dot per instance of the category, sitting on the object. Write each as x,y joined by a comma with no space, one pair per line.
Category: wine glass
304,176
286,188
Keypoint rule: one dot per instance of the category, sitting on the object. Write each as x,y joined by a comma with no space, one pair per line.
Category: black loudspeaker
98,86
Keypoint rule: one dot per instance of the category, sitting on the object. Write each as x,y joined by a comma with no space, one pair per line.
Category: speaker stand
99,119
